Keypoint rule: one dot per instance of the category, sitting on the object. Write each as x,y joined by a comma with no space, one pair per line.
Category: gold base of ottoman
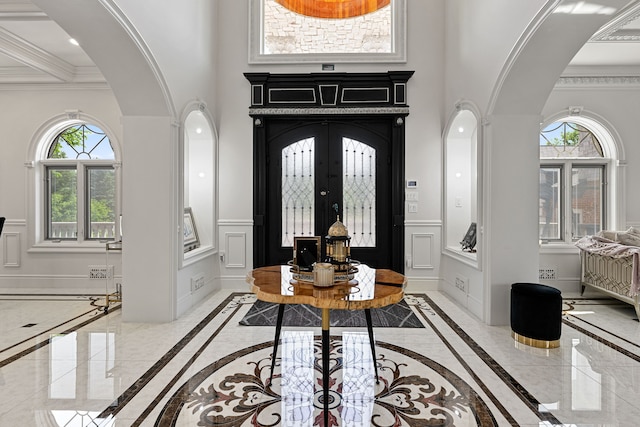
534,342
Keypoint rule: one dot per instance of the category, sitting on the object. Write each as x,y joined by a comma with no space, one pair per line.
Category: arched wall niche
199,181
461,195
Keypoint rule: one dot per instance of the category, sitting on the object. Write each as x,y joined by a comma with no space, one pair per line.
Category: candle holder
337,266
323,274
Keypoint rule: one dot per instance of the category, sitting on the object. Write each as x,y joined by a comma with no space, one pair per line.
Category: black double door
320,170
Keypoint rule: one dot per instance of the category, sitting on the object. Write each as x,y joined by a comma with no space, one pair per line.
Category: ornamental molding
614,31
605,81
257,111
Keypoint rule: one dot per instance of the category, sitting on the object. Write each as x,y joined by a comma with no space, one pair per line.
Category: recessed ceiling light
74,42
198,130
460,129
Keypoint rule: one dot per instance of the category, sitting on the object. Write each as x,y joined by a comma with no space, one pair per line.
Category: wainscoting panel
422,249
235,250
422,254
11,249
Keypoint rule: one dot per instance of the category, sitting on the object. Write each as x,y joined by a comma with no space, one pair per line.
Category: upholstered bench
536,315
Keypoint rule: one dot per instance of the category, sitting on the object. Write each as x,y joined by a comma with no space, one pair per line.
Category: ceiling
33,49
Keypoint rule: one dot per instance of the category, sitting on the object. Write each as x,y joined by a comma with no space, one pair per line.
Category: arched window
574,170
80,192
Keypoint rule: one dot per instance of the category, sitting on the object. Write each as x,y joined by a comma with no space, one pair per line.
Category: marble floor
64,362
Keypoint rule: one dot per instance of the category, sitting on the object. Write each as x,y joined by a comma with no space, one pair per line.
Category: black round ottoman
536,314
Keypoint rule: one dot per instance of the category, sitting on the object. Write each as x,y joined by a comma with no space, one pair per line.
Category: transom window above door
284,31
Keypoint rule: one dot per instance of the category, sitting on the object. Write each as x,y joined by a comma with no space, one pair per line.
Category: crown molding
28,54
31,86
608,82
28,75
601,71
611,77
614,30
22,12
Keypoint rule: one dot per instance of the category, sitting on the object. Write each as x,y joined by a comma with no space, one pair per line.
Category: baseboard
52,284
421,284
234,283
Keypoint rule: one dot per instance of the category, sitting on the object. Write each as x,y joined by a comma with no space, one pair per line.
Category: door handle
324,192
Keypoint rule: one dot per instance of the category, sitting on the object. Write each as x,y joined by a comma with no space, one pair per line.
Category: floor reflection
354,398
297,379
207,369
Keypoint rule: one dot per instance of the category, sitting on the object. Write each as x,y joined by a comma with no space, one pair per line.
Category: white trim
429,238
11,249
208,248
422,223
22,82
471,259
241,255
144,50
239,222
467,258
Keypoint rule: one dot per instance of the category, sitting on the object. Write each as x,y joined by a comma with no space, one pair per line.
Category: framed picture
306,251
189,231
469,239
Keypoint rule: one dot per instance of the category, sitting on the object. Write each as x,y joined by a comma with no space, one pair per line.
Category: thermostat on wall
412,184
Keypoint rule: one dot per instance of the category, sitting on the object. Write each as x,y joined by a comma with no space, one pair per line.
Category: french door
319,170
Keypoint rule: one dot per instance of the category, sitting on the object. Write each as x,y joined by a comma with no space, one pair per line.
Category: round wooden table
369,288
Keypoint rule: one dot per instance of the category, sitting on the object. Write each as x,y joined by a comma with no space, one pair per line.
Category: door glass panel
359,192
297,190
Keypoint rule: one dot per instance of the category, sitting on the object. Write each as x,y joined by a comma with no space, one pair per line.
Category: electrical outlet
462,283
547,274
197,282
100,272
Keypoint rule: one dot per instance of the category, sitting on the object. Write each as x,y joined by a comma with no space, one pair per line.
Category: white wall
479,38
24,112
617,107
510,86
182,41
157,59
457,55
423,128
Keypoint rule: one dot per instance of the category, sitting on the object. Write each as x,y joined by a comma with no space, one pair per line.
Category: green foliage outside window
99,186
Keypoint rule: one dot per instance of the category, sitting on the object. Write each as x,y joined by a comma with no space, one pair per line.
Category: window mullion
567,209
82,197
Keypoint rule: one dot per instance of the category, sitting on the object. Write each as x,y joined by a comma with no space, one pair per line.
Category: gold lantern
338,250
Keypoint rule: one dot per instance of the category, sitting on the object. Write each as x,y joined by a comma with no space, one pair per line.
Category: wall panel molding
235,222
422,250
235,250
11,249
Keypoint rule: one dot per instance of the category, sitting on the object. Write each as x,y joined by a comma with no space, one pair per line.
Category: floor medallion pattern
412,389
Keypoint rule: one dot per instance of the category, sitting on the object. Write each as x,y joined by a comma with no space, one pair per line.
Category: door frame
322,96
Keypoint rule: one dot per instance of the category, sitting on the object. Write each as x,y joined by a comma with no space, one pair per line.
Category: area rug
393,316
